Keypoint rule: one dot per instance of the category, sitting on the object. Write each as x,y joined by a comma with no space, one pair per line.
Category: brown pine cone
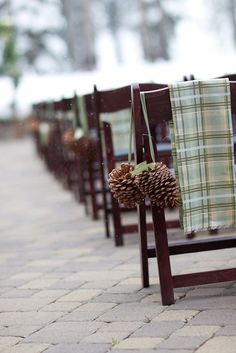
160,186
86,147
69,141
124,187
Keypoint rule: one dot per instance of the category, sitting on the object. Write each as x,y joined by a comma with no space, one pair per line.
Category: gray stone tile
65,332
155,350
229,330
158,329
132,312
221,302
182,342
215,317
79,348
18,330
119,298
28,318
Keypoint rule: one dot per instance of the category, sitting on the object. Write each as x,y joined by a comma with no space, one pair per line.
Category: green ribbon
83,114
145,114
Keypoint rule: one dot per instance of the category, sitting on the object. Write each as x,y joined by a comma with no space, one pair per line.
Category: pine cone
86,147
69,141
160,186
124,187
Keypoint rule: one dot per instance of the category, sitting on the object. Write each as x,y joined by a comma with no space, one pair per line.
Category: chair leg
163,257
116,216
92,191
143,244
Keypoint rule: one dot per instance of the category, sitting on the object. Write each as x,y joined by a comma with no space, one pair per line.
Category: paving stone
81,316
96,307
28,318
26,348
18,330
9,340
132,312
119,326
81,295
102,275
124,289
22,304
158,329
50,293
18,293
63,284
139,343
205,292
176,315
99,284
118,298
38,284
220,302
154,350
61,306
65,332
197,330
183,342
218,345
78,348
227,331
215,317
106,337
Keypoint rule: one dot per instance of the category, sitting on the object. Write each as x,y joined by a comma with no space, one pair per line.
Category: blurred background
51,48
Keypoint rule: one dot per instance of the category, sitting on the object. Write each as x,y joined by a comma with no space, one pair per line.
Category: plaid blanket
120,124
204,153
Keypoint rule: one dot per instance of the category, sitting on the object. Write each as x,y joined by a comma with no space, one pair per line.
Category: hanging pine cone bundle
123,186
159,185
33,125
86,147
69,140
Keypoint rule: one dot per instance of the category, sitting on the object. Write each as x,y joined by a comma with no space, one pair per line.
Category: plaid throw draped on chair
203,143
120,122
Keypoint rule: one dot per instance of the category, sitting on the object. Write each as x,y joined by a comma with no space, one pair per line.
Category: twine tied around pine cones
131,184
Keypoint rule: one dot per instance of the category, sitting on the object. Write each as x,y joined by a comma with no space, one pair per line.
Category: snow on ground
37,88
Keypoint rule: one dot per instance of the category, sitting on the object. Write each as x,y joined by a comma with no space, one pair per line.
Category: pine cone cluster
124,187
160,186
33,126
86,147
69,140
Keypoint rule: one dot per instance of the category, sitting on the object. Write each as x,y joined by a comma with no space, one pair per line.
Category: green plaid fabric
202,139
120,123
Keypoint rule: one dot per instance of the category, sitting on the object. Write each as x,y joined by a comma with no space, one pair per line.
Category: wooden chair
159,109
112,115
90,186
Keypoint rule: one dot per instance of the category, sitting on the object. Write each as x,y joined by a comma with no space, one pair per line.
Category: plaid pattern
203,143
120,123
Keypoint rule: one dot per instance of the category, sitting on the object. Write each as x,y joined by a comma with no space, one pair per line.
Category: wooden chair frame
158,106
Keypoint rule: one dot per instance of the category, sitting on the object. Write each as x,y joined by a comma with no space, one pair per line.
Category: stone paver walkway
64,288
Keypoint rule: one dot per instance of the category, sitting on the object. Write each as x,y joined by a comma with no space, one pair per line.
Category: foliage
9,65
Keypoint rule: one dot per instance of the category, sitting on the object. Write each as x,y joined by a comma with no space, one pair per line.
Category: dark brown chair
159,109
111,105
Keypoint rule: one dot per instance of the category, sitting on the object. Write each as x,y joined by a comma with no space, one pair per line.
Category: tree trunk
80,33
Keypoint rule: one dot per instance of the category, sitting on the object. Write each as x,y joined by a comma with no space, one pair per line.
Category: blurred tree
224,16
39,42
9,61
113,11
80,32
157,24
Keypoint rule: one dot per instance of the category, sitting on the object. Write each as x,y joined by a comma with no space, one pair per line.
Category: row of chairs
108,115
